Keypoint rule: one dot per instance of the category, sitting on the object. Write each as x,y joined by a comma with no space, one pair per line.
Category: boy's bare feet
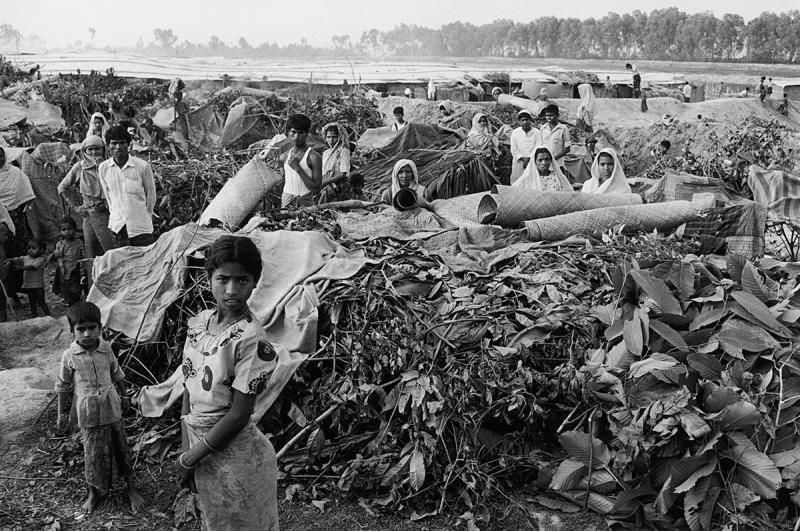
91,502
137,502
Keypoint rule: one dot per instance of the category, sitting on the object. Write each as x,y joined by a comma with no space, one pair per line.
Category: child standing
32,266
227,361
90,370
69,252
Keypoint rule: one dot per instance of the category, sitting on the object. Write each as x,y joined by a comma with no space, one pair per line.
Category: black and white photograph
418,266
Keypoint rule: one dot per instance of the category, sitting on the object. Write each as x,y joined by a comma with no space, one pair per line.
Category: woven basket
635,218
509,206
241,194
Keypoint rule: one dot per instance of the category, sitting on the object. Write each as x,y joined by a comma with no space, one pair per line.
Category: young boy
32,267
399,119
69,252
555,135
303,166
90,370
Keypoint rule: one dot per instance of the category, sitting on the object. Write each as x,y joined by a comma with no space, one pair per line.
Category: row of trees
663,34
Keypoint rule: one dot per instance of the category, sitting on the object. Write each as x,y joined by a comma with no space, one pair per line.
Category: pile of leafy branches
80,95
354,111
628,376
759,141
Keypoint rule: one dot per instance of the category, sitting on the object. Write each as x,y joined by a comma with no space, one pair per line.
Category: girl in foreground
227,361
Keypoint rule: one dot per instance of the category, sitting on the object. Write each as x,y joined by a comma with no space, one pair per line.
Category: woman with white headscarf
480,134
96,234
98,125
585,113
542,174
404,175
16,195
335,163
608,177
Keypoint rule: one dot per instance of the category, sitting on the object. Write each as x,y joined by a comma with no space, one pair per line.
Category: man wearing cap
523,139
130,191
555,135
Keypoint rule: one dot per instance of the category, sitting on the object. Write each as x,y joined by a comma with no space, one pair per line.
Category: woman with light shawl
16,194
93,207
608,177
7,231
542,174
404,175
480,134
585,112
98,125
335,164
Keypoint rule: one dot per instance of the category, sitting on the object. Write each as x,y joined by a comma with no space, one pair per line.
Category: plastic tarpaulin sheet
508,206
239,122
778,191
39,113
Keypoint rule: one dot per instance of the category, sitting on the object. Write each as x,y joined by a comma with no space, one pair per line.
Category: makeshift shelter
789,87
444,173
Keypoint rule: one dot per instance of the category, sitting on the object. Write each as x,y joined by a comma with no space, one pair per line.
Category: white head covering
617,184
531,180
479,135
106,127
400,164
15,187
5,218
586,106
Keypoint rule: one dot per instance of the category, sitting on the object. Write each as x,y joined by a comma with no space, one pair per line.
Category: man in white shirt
130,191
687,93
637,79
555,135
523,139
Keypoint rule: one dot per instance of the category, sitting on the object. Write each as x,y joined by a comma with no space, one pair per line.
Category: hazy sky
122,22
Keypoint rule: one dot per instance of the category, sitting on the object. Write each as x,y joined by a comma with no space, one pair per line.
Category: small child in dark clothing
32,266
69,252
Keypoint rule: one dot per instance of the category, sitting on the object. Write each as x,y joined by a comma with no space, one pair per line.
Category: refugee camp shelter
790,87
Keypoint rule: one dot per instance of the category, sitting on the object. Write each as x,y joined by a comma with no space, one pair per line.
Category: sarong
103,446
237,487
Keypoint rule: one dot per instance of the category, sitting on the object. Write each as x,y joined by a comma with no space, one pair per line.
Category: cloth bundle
510,207
778,191
634,217
241,194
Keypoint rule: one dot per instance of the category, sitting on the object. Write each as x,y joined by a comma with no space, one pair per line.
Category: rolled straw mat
241,194
509,206
460,210
634,217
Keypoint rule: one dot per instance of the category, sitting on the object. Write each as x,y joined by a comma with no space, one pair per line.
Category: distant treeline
664,34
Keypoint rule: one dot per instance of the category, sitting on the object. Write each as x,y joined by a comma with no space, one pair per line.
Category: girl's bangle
205,441
183,465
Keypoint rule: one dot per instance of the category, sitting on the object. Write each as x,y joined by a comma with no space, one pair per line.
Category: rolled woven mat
240,195
635,218
460,210
509,206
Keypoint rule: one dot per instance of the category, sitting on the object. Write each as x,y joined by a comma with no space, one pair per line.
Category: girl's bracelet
183,465
205,441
